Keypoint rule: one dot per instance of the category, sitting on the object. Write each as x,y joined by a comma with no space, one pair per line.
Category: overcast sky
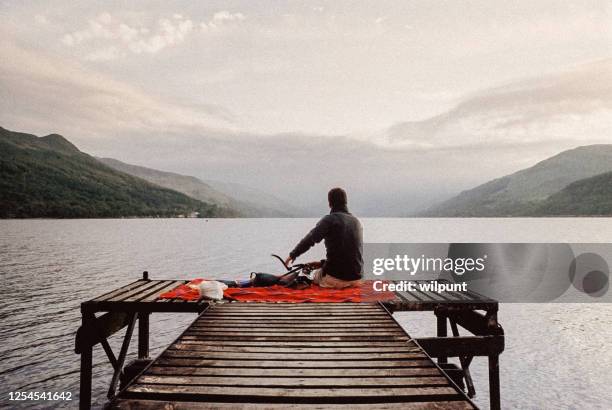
222,90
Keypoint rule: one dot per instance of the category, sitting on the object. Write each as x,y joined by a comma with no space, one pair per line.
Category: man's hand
289,261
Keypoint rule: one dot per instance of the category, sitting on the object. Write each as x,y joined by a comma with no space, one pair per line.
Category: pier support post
143,336
442,331
143,329
86,367
494,388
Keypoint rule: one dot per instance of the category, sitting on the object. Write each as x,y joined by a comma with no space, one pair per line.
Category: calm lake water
557,355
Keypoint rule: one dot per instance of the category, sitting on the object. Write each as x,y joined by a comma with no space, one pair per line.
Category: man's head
336,198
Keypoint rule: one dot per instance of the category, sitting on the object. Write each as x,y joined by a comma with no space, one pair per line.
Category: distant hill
252,204
270,205
519,193
50,177
586,197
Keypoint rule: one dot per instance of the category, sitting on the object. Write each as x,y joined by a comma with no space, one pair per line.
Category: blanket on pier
362,293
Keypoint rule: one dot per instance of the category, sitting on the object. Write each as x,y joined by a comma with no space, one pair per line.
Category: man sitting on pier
342,233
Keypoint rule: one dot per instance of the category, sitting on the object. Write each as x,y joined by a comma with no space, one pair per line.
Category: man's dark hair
336,197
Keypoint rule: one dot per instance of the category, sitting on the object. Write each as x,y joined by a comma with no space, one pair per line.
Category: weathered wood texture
298,356
143,296
428,300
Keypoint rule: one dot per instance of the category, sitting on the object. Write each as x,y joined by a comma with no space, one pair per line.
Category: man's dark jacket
343,241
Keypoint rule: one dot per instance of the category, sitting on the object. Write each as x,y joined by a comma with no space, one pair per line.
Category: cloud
564,106
222,18
97,28
104,54
453,151
290,166
380,20
127,38
170,33
111,38
42,92
110,118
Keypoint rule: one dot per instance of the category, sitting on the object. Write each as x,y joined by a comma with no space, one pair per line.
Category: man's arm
316,235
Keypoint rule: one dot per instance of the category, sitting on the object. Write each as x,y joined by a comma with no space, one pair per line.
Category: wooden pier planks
421,300
300,356
143,296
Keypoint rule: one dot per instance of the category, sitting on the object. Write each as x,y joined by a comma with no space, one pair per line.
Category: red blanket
314,293
184,292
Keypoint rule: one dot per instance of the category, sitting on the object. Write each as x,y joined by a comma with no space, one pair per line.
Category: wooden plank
283,335
409,296
297,306
399,306
319,364
294,355
477,323
208,355
120,297
223,314
460,296
153,290
452,297
265,331
185,405
297,335
321,382
311,327
293,350
393,393
123,289
298,320
462,346
408,348
375,315
290,372
302,321
293,325
105,326
430,296
295,339
308,343
180,282
275,304
167,288
150,307
293,332
301,312
283,309
330,317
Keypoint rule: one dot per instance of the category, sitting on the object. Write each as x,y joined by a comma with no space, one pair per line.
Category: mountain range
248,202
586,197
49,177
572,182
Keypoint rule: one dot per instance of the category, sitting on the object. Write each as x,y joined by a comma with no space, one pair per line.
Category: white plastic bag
211,289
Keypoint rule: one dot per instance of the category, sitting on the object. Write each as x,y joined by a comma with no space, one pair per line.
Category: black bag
264,279
289,280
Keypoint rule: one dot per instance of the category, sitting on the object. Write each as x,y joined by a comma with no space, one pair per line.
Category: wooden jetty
276,355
